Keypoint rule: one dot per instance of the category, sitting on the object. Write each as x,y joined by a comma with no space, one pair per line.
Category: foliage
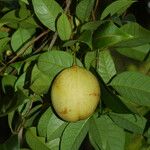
39,38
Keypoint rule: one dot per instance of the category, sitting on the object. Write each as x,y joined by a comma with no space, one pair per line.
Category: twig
24,49
68,3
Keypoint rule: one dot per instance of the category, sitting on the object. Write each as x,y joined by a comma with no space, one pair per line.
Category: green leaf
137,53
117,7
40,83
43,122
10,19
55,127
3,43
11,102
64,27
3,34
84,8
35,142
93,25
140,35
105,66
8,81
133,86
11,144
53,62
131,122
20,37
86,37
54,144
47,12
33,115
90,59
106,134
108,34
74,135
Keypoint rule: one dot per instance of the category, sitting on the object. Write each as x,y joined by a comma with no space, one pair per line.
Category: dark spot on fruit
64,111
93,94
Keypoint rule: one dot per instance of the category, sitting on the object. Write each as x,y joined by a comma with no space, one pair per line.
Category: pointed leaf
134,86
74,135
47,12
64,27
108,34
117,7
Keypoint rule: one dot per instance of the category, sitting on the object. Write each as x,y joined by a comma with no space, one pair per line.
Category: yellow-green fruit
75,94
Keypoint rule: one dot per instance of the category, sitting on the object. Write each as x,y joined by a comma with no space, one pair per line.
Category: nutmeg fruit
75,94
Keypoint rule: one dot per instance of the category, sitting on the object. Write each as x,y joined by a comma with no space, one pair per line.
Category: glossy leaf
105,66
64,27
53,62
131,122
47,12
134,86
35,142
74,135
83,9
106,134
117,7
54,144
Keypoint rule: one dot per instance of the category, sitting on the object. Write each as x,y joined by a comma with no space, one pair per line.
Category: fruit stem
74,59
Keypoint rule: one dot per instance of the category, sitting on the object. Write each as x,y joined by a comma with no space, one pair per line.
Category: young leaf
35,142
133,86
47,12
74,135
117,7
64,27
53,62
131,122
83,9
106,134
106,66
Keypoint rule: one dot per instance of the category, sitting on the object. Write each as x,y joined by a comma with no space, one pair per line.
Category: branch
68,3
24,49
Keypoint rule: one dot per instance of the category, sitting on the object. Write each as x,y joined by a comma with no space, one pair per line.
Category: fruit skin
75,94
